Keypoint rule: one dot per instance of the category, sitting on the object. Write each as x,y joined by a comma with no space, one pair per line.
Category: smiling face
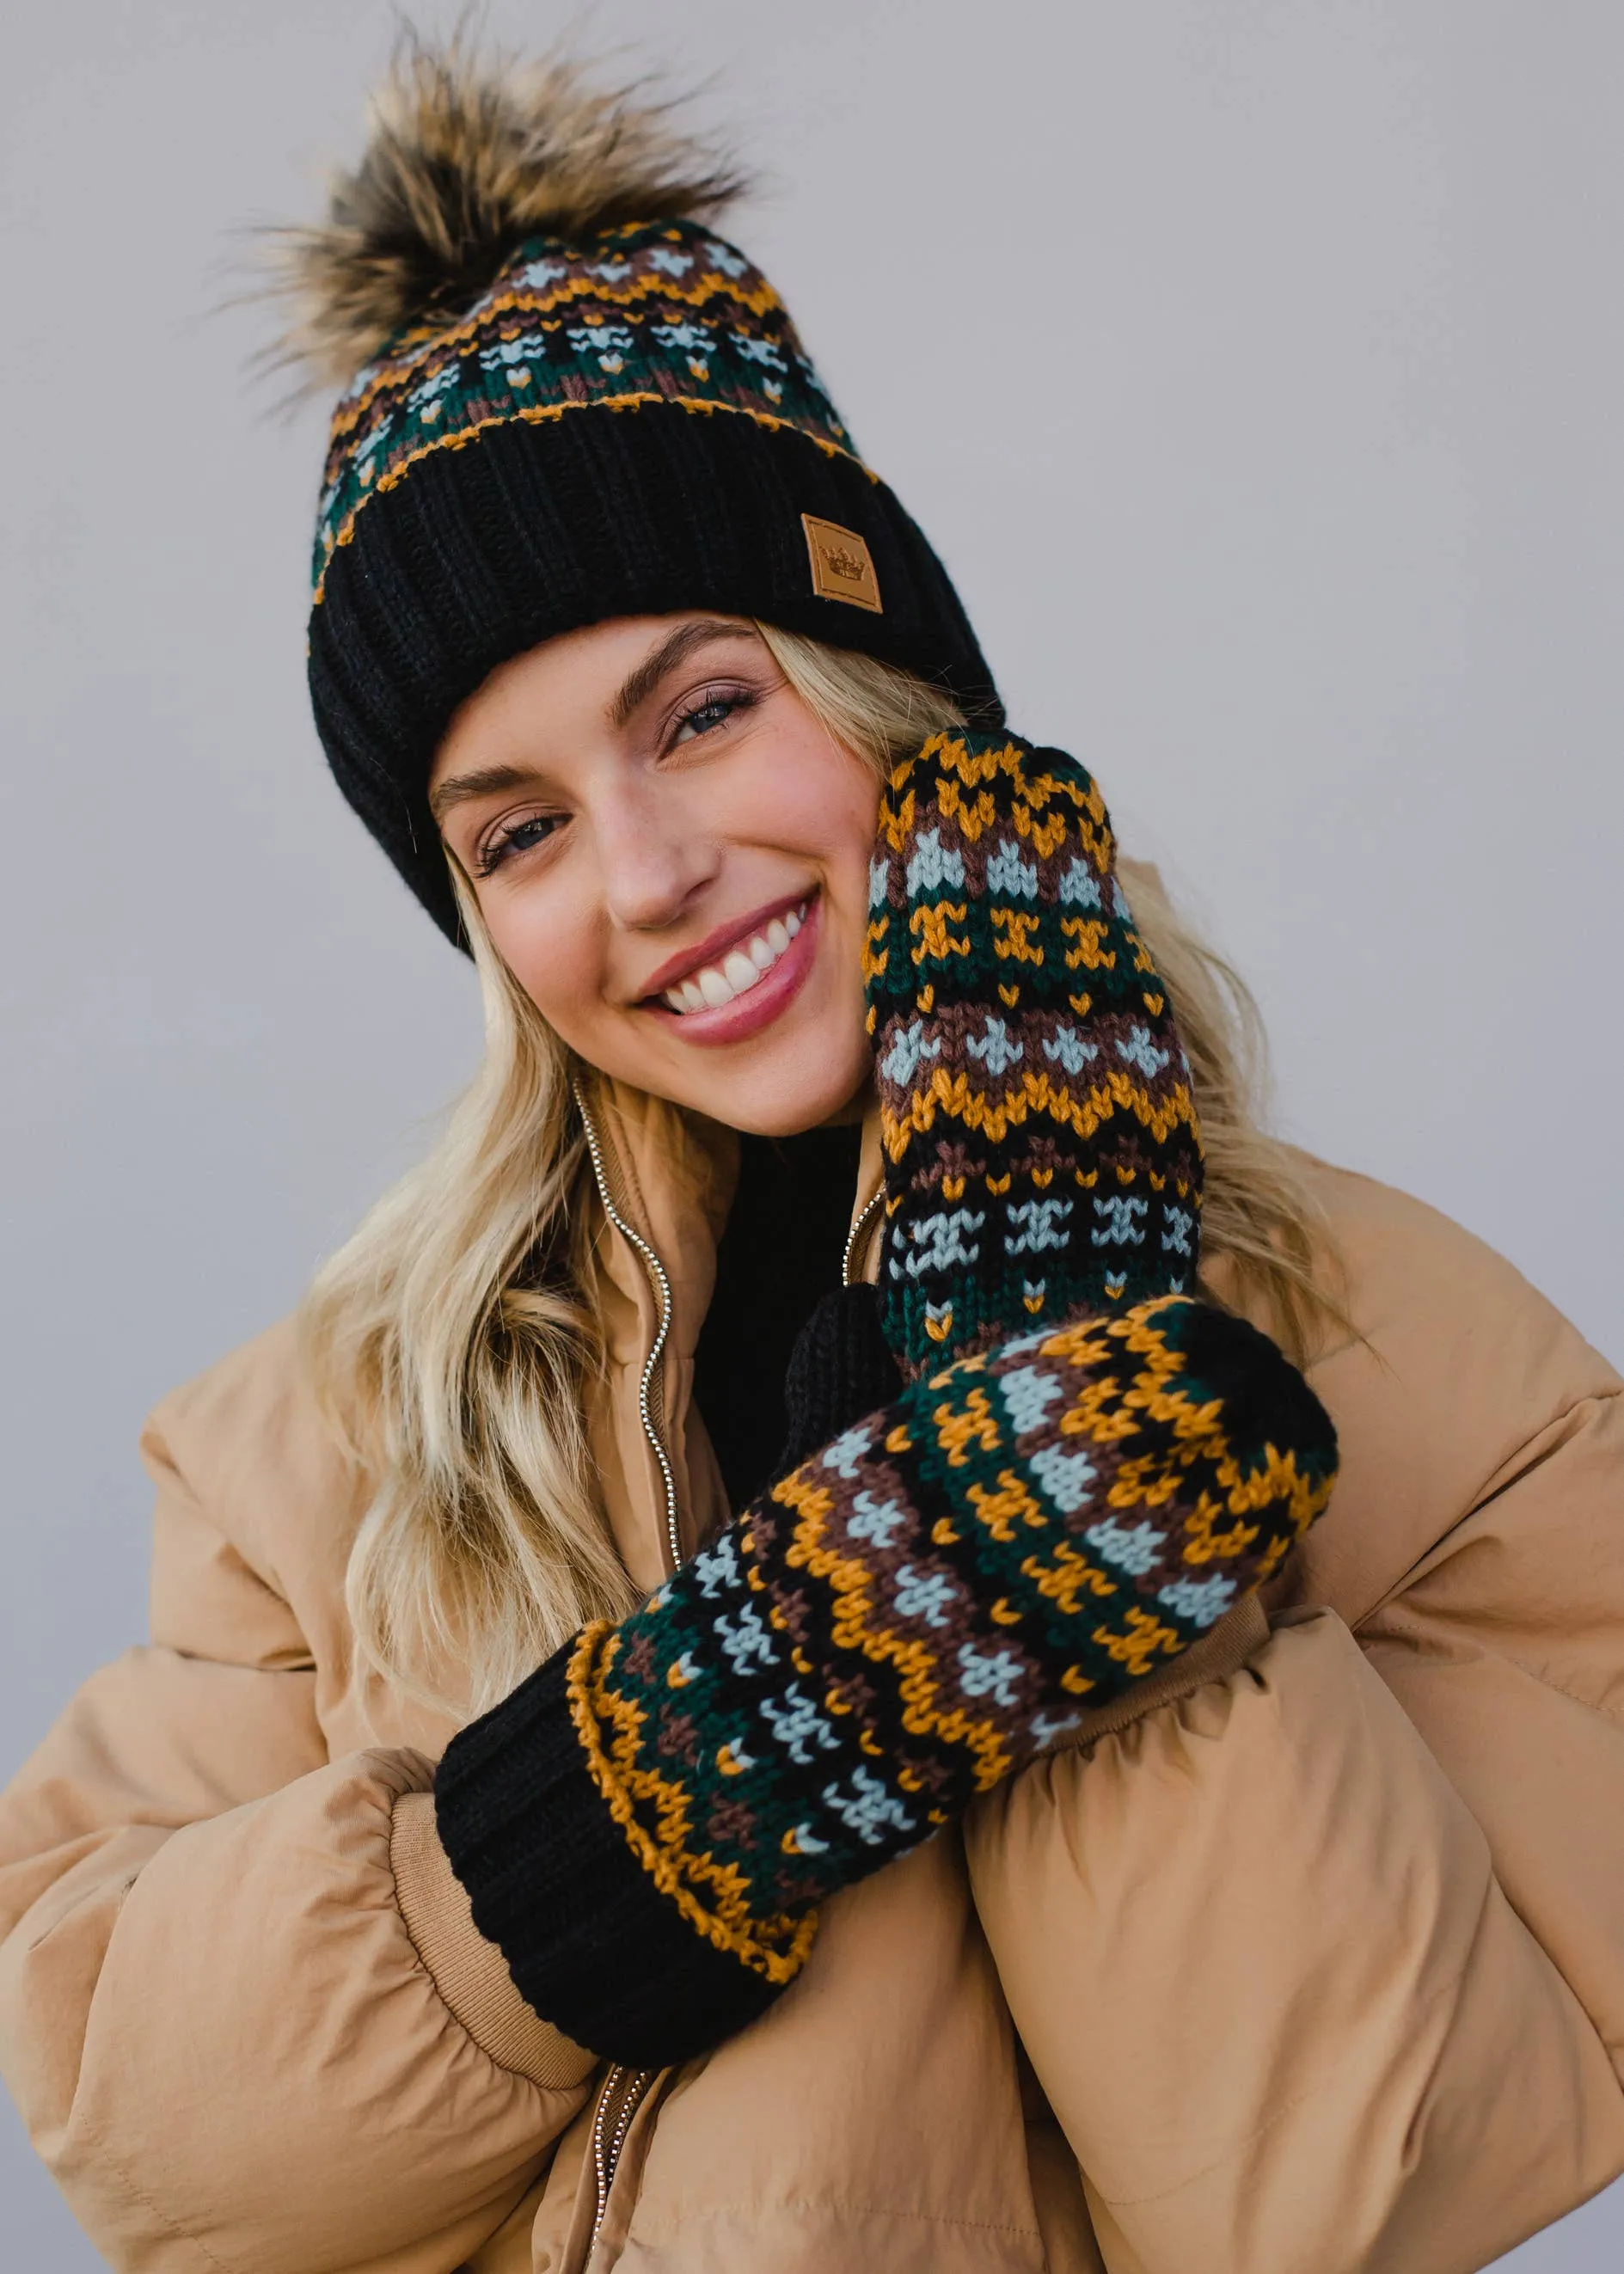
671,855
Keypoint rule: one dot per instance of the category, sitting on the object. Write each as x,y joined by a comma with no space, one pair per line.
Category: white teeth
715,989
740,968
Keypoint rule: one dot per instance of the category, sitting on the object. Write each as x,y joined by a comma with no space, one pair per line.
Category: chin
818,1086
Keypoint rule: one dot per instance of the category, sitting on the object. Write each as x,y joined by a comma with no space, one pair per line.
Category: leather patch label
842,567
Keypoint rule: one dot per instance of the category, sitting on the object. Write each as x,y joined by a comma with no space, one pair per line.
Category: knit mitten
998,903
647,1825
1040,1148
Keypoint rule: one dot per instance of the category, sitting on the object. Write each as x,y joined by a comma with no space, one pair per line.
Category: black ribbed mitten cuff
589,1940
841,1368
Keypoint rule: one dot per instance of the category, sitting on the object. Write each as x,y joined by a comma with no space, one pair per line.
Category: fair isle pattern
921,1607
650,314
1041,1150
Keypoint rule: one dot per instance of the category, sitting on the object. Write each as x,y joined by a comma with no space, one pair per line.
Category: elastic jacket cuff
470,1973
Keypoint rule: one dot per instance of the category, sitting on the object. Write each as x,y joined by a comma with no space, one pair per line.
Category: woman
913,1790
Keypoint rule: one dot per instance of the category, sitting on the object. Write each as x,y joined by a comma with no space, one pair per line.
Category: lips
740,968
742,979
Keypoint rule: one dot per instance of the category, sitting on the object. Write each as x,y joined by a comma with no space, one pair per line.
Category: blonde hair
455,1347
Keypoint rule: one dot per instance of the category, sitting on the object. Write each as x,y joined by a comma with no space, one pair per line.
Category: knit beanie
565,398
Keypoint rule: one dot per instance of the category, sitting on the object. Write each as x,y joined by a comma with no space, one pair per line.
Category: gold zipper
662,1284
630,2085
607,2143
854,1237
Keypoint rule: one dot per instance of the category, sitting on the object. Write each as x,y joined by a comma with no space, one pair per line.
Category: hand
1042,1158
646,1825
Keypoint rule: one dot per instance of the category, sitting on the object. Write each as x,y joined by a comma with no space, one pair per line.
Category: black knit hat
566,411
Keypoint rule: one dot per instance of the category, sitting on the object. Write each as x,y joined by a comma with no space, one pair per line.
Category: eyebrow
485,783
635,688
676,648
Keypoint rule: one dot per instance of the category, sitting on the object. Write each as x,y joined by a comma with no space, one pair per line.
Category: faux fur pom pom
468,155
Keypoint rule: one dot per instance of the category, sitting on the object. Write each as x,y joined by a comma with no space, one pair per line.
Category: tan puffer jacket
1316,1966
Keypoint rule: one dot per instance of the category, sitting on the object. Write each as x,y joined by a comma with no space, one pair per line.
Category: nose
653,862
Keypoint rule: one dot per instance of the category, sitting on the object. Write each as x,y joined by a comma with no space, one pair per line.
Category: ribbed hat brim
534,529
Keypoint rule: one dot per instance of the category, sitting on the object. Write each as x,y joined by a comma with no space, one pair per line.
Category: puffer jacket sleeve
1323,1965
238,2009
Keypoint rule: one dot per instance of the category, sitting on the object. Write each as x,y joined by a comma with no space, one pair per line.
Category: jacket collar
662,1180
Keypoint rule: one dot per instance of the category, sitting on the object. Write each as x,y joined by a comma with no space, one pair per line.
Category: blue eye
706,718
518,837
718,705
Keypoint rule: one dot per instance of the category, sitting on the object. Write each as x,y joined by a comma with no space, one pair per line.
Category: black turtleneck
779,1254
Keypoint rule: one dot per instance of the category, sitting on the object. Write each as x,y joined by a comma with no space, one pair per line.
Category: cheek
821,804
550,942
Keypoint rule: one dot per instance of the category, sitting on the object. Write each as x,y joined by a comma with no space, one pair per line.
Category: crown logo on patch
842,565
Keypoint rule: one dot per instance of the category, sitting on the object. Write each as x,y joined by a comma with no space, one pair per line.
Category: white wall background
1255,365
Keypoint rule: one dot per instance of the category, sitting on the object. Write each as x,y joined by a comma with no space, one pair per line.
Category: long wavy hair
457,1368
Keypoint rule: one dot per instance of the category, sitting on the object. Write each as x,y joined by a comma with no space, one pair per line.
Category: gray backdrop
1257,368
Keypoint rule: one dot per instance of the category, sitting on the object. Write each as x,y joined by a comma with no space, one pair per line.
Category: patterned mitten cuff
1041,1147
647,1827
